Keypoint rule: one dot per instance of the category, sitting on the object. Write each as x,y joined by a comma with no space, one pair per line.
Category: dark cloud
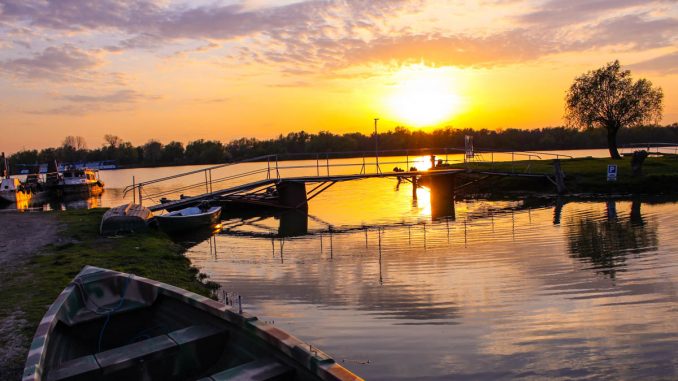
666,64
57,63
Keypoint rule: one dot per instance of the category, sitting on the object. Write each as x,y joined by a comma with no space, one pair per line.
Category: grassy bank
584,175
33,284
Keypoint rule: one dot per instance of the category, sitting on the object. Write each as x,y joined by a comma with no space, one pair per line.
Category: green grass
588,175
32,286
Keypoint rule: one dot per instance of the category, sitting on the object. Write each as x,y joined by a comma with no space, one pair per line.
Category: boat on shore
81,181
115,326
187,219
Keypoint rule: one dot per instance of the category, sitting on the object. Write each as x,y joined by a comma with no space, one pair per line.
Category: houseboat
81,181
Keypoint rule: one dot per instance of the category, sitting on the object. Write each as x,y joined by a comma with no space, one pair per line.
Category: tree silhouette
609,98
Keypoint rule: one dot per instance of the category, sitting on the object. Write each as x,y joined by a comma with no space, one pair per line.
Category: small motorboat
195,217
108,325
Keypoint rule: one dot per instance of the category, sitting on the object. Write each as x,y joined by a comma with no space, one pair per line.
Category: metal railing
323,167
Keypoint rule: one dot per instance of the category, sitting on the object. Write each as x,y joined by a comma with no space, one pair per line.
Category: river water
527,288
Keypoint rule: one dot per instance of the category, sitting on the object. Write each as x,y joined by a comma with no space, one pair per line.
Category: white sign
468,146
612,172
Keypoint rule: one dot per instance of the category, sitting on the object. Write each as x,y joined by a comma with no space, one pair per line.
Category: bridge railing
658,148
326,164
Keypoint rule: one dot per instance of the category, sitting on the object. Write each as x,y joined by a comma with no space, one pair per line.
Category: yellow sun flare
423,96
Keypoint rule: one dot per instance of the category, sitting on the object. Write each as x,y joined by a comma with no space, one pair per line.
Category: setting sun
423,96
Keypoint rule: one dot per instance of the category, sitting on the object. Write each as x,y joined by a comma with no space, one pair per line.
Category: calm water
511,289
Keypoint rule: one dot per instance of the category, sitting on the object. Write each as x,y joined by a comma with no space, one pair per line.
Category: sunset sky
185,70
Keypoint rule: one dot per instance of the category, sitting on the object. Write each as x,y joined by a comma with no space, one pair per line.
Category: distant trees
202,151
609,98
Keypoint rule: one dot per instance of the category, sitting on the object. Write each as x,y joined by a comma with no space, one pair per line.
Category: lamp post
376,144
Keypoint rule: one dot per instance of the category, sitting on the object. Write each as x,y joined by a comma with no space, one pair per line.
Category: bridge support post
442,195
292,194
414,187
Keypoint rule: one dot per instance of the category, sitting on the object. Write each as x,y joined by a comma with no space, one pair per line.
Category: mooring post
414,187
560,177
134,194
141,202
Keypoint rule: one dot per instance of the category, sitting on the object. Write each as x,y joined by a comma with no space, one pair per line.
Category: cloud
558,13
83,104
666,64
460,51
637,31
56,63
121,96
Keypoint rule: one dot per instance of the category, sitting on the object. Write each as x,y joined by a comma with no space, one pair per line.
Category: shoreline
57,245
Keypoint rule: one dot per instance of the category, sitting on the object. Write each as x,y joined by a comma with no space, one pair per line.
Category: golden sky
185,70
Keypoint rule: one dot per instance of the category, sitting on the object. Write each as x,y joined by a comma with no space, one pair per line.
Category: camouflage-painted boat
108,325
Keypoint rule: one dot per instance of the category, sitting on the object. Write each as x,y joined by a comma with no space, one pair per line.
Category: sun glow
423,96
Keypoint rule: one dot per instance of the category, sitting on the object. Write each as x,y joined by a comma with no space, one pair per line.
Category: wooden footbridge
269,182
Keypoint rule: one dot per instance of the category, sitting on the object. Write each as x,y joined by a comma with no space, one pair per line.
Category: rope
100,310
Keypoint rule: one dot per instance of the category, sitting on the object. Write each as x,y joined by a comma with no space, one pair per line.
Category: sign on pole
612,172
468,146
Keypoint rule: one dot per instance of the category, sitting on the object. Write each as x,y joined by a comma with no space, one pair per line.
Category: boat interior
120,329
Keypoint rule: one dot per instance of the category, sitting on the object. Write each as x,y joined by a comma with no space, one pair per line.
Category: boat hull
152,330
173,223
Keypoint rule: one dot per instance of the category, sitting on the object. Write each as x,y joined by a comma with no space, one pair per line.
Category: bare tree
75,142
609,98
113,141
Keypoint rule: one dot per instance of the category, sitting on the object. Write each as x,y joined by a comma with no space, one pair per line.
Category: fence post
277,170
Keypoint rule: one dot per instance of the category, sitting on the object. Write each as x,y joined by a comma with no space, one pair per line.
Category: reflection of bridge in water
263,182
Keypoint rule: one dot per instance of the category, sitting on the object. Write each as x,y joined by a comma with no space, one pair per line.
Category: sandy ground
21,236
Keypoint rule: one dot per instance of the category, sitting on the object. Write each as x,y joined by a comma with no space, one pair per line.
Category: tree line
155,153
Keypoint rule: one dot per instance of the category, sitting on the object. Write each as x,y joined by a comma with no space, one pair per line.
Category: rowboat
189,218
108,325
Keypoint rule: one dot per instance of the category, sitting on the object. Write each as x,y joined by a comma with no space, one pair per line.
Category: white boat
189,218
81,181
11,190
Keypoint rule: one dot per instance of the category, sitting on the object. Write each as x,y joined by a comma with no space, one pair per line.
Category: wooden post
134,193
414,187
560,177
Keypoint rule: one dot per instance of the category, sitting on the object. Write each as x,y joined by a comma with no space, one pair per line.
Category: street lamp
376,144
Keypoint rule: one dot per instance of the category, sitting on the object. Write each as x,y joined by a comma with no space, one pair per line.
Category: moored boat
115,326
11,190
81,181
189,218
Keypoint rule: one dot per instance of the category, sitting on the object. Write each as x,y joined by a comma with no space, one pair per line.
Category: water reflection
496,291
606,242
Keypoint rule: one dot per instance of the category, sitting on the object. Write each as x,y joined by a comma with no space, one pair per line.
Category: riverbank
40,253
582,176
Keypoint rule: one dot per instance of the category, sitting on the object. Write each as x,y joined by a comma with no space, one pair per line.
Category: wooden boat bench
266,369
174,355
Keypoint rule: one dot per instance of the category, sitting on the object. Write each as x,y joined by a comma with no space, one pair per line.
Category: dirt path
21,236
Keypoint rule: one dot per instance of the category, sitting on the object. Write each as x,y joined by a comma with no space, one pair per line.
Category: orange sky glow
186,70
